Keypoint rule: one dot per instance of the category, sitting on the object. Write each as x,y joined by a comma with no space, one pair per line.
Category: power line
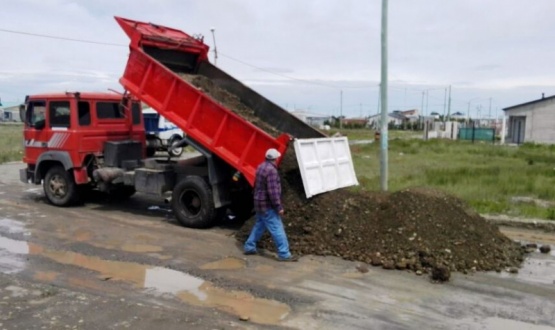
62,38
227,56
297,79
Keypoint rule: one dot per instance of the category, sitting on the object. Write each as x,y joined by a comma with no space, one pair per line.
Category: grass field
487,176
11,142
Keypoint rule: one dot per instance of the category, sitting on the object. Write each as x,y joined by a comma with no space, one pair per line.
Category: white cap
272,154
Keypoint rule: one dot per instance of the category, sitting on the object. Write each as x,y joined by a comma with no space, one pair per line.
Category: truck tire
193,204
177,151
59,186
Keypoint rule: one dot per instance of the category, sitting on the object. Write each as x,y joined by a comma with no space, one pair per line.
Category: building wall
540,122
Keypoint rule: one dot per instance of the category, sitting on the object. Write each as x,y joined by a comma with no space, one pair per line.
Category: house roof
308,114
531,102
11,108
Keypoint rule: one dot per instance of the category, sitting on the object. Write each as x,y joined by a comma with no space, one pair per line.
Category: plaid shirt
267,188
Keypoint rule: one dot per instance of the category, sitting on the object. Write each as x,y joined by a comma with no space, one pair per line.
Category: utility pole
422,109
444,104
341,110
383,135
427,99
215,49
489,111
449,104
379,99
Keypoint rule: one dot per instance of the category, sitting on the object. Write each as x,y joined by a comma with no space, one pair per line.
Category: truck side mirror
22,112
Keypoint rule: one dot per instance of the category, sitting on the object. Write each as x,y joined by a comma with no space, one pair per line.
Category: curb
503,220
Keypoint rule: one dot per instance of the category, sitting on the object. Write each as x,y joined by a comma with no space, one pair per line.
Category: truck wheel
174,152
192,203
59,186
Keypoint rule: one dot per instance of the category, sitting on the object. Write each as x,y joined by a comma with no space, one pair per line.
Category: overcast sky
301,53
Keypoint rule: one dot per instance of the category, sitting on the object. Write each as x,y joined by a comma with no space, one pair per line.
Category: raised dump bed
158,58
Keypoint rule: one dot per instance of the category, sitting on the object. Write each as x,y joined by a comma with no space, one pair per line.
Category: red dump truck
78,141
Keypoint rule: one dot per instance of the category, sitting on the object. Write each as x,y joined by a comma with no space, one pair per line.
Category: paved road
104,265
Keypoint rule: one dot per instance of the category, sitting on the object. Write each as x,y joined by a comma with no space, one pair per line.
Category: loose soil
418,229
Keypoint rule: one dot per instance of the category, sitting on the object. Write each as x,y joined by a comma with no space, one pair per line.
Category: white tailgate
325,164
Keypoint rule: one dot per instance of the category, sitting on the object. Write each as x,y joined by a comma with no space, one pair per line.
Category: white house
10,114
313,119
392,118
533,121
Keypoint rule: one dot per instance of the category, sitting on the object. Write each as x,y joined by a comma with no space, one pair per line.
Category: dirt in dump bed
229,101
418,229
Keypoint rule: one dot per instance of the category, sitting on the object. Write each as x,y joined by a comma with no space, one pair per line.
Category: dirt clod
363,269
441,273
545,249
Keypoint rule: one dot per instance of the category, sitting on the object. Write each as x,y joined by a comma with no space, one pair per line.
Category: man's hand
281,212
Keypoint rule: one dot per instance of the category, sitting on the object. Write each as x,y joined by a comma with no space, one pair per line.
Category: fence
477,134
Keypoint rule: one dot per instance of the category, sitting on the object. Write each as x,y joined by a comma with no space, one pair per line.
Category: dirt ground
419,229
106,265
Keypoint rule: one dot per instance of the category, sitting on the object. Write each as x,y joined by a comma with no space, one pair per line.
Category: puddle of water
264,268
46,276
535,269
241,303
12,253
171,281
188,288
225,264
13,246
11,226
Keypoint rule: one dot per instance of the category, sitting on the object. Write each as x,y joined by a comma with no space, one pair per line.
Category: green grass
11,142
484,175
368,134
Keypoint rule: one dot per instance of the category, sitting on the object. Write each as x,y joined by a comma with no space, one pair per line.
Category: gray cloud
481,48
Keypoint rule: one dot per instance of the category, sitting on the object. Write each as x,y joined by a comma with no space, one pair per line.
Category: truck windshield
36,113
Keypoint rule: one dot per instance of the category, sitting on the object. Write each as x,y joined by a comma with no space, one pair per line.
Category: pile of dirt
229,101
419,229
422,230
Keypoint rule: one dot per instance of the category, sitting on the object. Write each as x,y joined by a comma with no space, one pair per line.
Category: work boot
291,258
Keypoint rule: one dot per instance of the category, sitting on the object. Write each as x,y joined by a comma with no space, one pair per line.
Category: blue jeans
269,220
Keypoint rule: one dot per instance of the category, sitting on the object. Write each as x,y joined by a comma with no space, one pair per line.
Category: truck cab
66,137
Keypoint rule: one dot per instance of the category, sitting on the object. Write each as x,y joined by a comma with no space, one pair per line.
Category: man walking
267,204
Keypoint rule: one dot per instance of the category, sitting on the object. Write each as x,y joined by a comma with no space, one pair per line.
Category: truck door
46,126
35,133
